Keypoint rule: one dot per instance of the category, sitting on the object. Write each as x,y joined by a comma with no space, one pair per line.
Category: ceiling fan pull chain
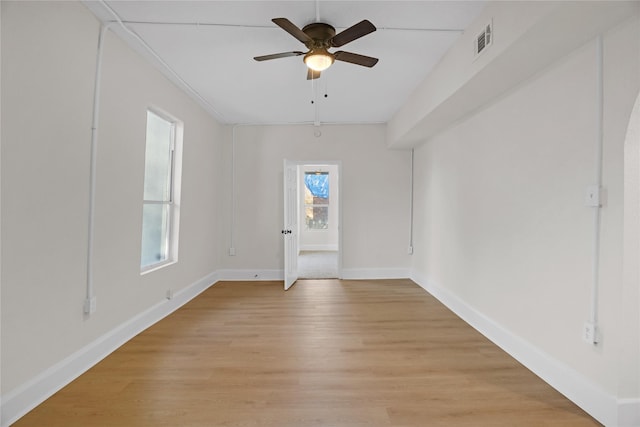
326,87
313,92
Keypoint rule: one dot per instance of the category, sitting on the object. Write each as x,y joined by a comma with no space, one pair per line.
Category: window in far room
160,213
316,200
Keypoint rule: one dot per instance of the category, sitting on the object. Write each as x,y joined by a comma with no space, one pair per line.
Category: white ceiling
210,45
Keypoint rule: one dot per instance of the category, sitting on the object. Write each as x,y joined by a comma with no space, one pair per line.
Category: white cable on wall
89,303
411,205
232,238
595,284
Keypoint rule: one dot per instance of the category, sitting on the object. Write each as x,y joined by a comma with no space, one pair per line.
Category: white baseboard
628,412
374,273
348,273
601,405
236,275
24,398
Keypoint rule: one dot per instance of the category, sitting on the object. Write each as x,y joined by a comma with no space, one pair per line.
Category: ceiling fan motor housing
320,34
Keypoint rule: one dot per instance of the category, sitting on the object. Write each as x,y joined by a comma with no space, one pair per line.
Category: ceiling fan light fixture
318,59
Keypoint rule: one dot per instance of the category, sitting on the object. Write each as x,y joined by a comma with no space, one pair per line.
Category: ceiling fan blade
312,74
354,58
352,33
291,28
277,55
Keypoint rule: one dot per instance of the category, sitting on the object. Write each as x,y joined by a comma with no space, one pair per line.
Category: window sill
156,267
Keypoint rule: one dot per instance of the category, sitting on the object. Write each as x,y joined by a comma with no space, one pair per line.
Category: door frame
338,163
290,226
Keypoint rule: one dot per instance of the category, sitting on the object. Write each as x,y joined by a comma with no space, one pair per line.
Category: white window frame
177,127
306,205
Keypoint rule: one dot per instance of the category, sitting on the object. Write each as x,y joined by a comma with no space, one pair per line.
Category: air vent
483,40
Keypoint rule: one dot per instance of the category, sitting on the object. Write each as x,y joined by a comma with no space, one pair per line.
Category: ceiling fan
318,37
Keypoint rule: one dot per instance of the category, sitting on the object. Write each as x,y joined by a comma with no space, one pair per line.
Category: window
161,191
316,200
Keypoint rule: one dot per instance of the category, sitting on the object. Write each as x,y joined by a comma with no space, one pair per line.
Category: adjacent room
320,213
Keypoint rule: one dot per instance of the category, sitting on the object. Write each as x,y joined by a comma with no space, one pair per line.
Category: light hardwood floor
325,353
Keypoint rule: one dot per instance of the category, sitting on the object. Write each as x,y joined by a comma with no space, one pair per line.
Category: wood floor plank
325,353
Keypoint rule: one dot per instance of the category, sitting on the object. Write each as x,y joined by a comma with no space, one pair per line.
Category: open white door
290,229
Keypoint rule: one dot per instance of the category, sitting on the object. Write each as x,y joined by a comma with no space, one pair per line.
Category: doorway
319,217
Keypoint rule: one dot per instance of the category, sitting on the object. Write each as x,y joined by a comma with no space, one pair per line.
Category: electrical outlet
590,333
592,196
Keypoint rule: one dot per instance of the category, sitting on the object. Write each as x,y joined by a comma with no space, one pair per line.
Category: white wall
48,66
630,300
500,221
310,239
0,207
375,196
